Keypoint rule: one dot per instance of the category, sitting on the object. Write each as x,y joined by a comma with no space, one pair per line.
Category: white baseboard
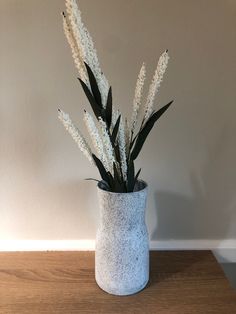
46,245
224,250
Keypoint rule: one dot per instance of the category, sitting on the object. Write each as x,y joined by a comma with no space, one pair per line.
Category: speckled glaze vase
122,242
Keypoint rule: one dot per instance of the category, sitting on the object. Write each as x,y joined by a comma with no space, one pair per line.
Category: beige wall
188,160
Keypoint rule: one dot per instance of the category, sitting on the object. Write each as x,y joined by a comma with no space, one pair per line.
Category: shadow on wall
210,212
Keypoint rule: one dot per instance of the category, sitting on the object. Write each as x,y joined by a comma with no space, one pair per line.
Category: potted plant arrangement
122,242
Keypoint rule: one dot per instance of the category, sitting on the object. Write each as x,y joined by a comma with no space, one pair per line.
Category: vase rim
145,186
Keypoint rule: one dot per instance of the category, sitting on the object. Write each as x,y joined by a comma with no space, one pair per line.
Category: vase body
122,242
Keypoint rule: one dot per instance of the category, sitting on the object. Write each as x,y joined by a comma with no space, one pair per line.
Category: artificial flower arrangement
116,140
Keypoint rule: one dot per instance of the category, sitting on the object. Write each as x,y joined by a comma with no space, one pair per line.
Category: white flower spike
76,134
137,99
96,139
155,84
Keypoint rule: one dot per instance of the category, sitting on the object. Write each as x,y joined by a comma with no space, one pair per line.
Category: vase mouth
140,186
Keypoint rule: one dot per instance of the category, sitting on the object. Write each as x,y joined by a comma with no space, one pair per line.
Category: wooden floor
63,282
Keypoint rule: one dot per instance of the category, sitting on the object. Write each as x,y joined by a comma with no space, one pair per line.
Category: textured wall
188,160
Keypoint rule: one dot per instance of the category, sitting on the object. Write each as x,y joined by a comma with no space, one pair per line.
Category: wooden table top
63,282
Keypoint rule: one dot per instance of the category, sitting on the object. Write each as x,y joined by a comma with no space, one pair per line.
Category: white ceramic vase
122,242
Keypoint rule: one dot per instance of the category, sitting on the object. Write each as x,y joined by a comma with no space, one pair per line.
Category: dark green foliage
94,98
136,177
130,177
146,130
105,176
104,185
116,174
115,131
117,153
94,86
116,182
92,179
109,108
96,108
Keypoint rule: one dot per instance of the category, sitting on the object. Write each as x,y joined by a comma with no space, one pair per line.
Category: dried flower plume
122,149
96,139
107,145
115,140
75,134
156,83
85,46
137,98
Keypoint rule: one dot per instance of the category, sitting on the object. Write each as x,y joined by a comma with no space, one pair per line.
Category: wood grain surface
63,282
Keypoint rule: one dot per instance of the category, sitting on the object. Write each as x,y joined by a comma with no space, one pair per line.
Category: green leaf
136,177
93,103
109,108
111,181
101,169
117,182
146,130
116,174
115,131
92,179
94,85
132,143
104,184
130,178
117,152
